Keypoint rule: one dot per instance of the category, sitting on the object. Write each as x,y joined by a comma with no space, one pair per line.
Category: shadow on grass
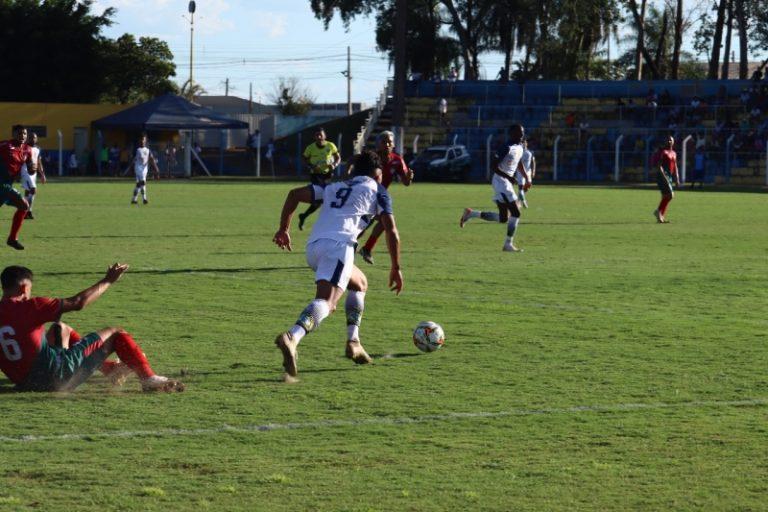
184,271
201,235
399,355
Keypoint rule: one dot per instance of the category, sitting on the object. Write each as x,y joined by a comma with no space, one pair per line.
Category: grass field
615,364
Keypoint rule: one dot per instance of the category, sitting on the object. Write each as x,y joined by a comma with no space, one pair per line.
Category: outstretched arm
91,294
393,244
298,195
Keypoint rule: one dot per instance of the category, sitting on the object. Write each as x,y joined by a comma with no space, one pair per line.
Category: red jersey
12,157
21,333
667,158
395,164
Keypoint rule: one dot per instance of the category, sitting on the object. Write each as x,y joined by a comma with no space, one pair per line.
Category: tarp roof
168,112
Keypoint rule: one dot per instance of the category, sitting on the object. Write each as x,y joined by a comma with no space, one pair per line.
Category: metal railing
370,123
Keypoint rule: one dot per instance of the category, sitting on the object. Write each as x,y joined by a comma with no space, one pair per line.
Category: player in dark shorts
14,154
61,360
391,164
321,157
666,160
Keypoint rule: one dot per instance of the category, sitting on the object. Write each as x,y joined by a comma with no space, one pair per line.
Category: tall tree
675,73
137,71
725,72
742,21
717,40
469,21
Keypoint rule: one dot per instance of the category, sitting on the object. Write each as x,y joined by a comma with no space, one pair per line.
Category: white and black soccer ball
428,336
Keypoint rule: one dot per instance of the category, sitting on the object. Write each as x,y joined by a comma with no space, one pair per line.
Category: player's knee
31,191
503,216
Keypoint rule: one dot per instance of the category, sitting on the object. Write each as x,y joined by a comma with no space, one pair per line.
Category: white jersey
510,161
527,160
141,164
348,208
35,157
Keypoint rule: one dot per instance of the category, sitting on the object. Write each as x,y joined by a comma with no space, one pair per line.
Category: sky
257,41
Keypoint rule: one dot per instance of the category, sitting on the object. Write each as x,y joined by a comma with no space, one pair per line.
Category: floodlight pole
349,81
191,9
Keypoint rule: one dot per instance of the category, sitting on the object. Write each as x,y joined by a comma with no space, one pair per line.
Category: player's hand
283,240
115,272
43,180
395,281
527,186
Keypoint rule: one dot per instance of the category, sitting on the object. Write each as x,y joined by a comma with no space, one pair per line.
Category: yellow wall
59,116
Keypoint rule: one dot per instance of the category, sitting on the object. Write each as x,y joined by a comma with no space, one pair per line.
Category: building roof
168,112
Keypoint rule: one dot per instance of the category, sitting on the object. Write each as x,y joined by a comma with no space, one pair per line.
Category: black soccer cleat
15,244
29,215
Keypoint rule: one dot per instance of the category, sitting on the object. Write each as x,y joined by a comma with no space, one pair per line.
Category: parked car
442,163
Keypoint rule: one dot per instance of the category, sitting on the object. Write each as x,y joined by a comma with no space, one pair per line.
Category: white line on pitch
269,427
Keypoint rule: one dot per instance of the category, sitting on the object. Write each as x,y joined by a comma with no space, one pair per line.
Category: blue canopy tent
169,113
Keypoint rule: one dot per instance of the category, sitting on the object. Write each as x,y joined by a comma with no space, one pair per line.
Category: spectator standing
114,160
72,164
442,108
699,166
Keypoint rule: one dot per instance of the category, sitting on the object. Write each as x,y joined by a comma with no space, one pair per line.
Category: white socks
310,318
354,307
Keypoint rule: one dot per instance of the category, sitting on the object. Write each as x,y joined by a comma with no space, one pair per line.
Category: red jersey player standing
14,154
61,360
666,159
392,164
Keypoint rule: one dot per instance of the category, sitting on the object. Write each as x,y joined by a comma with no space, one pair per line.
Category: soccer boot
15,244
29,215
465,217
659,218
511,248
161,384
357,353
133,201
367,256
146,201
287,346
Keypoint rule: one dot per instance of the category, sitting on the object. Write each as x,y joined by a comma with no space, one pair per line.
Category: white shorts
332,261
28,181
141,175
503,190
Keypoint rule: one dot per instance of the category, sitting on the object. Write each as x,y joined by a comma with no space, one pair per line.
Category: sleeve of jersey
317,193
46,309
383,202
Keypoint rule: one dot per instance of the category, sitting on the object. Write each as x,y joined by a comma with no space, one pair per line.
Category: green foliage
428,51
137,71
604,309
291,96
54,52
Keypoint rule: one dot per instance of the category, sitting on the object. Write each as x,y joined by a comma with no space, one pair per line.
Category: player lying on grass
392,164
14,154
347,208
62,360
507,164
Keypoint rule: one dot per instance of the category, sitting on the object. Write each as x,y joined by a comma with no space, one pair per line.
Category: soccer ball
428,336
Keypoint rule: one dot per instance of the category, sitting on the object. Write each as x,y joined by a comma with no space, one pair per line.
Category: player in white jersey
29,173
347,208
529,165
508,164
141,162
